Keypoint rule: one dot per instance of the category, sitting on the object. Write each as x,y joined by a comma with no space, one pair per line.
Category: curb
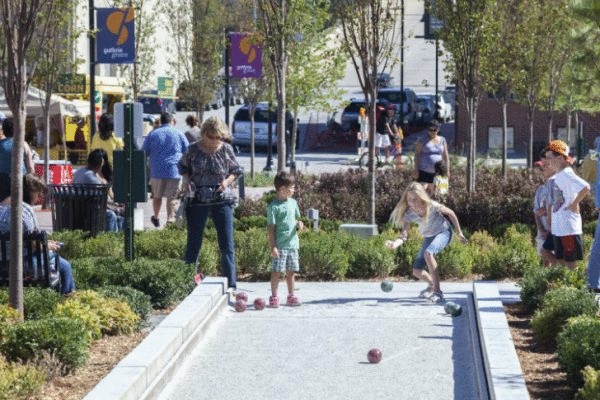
144,372
502,367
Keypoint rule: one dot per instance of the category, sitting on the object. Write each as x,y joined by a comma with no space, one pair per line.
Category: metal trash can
79,207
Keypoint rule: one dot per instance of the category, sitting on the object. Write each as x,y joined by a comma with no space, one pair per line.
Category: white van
240,127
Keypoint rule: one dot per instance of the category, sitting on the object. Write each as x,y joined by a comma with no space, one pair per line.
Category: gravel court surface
319,350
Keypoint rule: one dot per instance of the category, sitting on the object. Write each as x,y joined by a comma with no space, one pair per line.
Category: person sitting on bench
33,186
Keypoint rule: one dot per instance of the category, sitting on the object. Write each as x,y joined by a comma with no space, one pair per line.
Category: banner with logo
165,86
246,55
115,40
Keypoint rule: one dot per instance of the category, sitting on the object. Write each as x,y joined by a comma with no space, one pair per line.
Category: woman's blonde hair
402,206
215,126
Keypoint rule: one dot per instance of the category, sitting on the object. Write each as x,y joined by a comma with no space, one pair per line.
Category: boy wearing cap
565,191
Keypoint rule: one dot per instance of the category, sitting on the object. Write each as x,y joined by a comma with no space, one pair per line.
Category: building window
561,133
495,138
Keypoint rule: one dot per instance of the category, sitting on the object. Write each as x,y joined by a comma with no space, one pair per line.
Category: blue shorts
287,261
433,245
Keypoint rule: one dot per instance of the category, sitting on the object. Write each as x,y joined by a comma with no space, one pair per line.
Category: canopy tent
35,100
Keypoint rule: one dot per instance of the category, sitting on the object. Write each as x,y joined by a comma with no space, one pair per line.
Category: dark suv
408,100
350,114
153,104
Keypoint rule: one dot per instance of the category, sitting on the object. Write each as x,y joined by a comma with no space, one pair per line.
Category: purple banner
246,55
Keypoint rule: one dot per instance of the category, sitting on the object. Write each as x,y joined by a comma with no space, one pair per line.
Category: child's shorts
568,248
433,245
287,261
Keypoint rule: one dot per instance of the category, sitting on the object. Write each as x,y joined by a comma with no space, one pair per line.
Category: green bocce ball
452,308
387,286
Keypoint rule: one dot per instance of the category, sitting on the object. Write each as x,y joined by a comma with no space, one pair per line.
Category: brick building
489,128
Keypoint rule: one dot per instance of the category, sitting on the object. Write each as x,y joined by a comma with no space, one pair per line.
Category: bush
559,305
138,301
536,281
39,303
368,258
93,272
578,345
456,260
481,245
74,243
515,254
100,315
252,221
322,255
158,244
65,336
19,381
8,316
591,385
252,252
209,259
407,253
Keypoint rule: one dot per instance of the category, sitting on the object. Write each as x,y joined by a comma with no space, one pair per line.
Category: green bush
578,345
407,253
209,259
369,258
39,303
591,385
559,305
94,272
158,244
100,315
322,256
252,221
138,301
19,382
66,337
515,254
8,316
75,243
252,252
456,260
536,281
481,245
165,281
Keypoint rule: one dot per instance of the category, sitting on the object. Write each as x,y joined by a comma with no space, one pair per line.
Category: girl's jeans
222,216
593,269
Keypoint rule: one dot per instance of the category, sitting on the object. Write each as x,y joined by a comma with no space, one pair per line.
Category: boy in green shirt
282,214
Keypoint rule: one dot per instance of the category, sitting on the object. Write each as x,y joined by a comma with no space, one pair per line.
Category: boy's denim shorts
287,261
433,245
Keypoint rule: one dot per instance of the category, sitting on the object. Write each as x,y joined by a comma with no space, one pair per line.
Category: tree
499,61
55,59
316,65
368,29
465,33
25,27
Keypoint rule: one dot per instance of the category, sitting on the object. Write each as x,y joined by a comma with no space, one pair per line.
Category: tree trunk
252,147
504,137
530,116
371,174
472,144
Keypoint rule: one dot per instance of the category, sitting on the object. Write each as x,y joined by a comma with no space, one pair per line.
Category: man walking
164,146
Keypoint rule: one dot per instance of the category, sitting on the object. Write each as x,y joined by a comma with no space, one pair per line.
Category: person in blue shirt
164,147
6,146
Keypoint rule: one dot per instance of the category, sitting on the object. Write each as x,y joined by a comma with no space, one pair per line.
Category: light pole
403,97
92,26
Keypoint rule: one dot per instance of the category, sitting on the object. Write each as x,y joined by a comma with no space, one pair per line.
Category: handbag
180,214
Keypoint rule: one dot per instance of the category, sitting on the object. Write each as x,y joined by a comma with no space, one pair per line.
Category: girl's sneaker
274,302
293,301
426,293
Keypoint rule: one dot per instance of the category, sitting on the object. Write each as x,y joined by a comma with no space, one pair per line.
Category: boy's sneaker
274,302
426,293
437,297
292,300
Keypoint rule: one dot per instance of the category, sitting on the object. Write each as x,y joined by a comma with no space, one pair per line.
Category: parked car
384,80
427,108
442,110
349,119
240,127
153,104
407,102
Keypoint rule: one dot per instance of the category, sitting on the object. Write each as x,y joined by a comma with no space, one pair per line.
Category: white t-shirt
435,224
563,187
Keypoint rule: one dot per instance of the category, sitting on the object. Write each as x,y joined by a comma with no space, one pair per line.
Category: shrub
74,243
456,260
252,252
406,254
209,259
100,315
65,336
591,385
39,303
369,258
165,281
578,345
92,272
138,301
322,256
515,253
158,244
19,381
559,305
536,281
8,316
251,221
481,245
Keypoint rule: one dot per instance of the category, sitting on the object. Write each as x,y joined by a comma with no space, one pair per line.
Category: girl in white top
435,225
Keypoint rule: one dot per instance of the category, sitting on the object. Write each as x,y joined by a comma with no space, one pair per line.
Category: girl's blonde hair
402,206
215,126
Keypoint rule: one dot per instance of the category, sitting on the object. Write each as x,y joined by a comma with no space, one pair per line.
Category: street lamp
403,97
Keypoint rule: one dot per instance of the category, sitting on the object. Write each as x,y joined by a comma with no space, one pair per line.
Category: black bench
39,268
79,207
